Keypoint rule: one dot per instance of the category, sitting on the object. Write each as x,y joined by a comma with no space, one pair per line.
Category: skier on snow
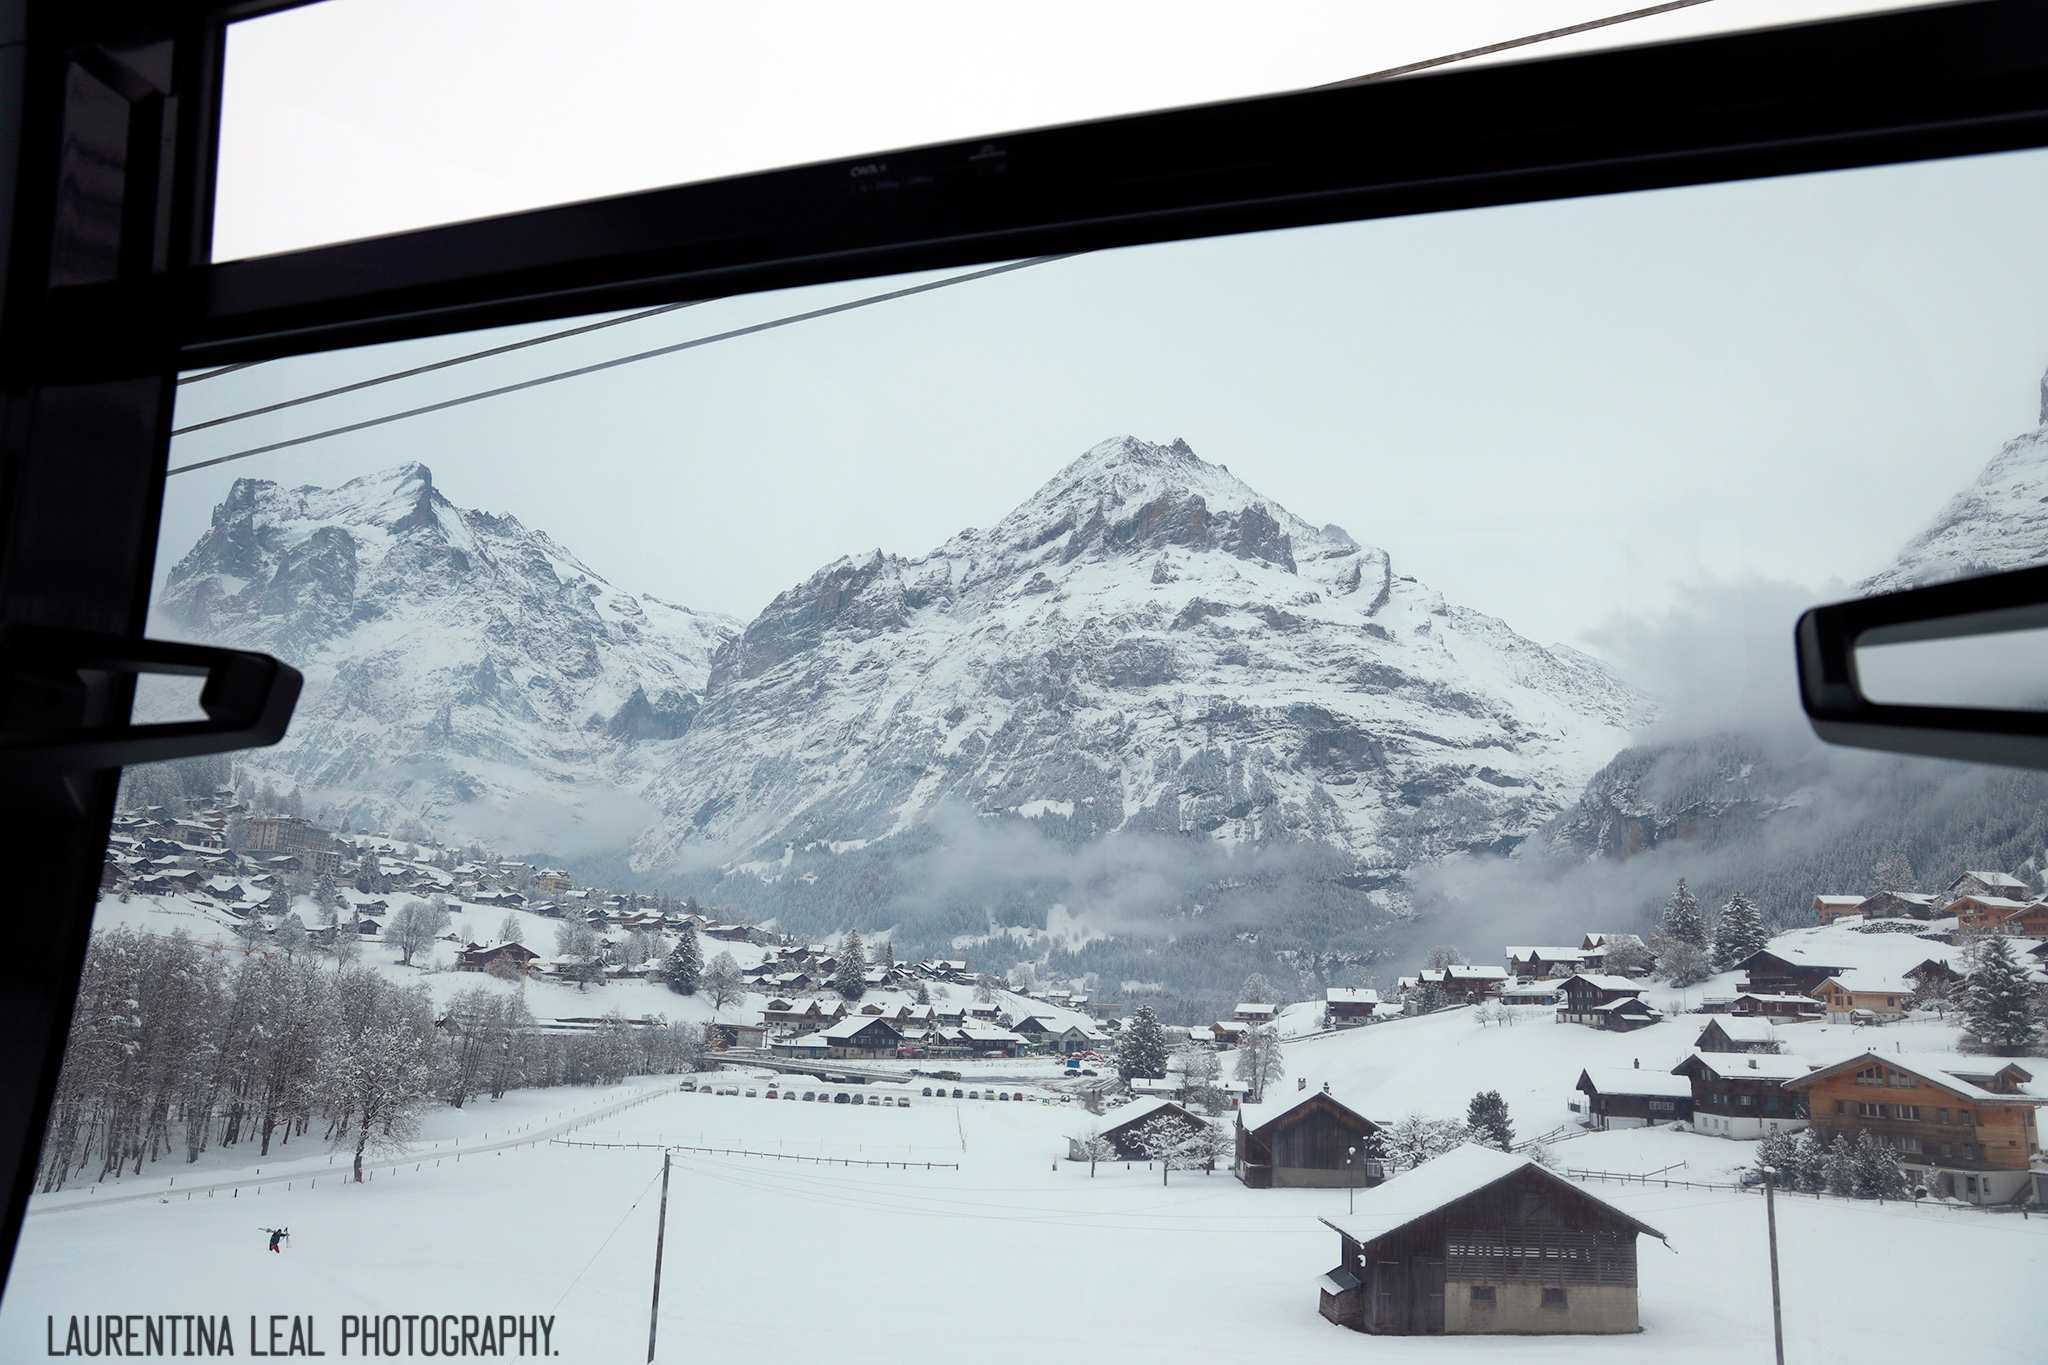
277,1235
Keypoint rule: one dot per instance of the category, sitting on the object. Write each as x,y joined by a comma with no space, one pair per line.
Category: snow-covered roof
1745,1030
1471,972
1947,1070
1247,1007
1552,953
1422,1190
1777,999
1846,902
1351,995
1257,1116
854,1023
1993,879
1748,1065
1624,1080
1859,981
1606,981
1996,902
1131,1111
1628,1003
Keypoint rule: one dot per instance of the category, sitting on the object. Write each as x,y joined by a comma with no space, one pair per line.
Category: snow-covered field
1009,1258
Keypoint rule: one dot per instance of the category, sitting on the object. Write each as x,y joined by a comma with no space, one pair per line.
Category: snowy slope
461,668
1146,644
1999,522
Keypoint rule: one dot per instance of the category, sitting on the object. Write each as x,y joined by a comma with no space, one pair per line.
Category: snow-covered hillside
1999,522
462,669
1146,644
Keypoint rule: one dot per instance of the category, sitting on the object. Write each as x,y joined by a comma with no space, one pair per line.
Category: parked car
1089,1071
810,1095
687,1085
927,1092
903,1101
860,1099
773,1093
789,1094
945,1075
972,1094
842,1098
956,1092
752,1093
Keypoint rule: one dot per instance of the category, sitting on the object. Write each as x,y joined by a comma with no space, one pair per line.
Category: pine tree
1779,1152
1877,1172
1256,990
684,969
1682,918
1487,1117
849,978
1998,1008
1807,1169
1141,1050
1740,933
1838,1167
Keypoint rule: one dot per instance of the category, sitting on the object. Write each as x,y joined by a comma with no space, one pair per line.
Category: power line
1509,44
581,370
396,375
215,374
1388,73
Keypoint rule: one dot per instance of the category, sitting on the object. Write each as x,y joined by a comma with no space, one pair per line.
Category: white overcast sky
1561,413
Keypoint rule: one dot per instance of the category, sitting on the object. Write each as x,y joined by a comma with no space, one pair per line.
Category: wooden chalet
1465,981
2001,884
1788,1008
1312,1139
1346,1006
1828,909
1738,1035
1901,905
1979,913
1630,1097
1788,971
478,957
1742,1094
1961,1125
1606,1002
1860,994
1480,1241
1253,1012
1121,1124
725,1035
861,1035
1536,963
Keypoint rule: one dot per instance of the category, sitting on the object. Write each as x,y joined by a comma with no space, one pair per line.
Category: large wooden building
1311,1139
1961,1125
1604,1001
1785,971
1742,1094
1483,1241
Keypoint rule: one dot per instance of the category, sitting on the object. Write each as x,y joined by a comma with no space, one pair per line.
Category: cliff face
1146,645
461,668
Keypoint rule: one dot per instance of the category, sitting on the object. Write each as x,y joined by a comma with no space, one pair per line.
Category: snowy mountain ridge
1145,644
461,667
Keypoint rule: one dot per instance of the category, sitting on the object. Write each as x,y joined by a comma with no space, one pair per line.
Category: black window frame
90,363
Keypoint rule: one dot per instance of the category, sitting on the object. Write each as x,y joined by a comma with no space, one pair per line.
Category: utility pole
1771,1224
1350,1181
661,1232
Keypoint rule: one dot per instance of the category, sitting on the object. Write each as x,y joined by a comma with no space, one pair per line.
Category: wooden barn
1483,1241
1755,1034
1630,1097
1121,1124
1307,1140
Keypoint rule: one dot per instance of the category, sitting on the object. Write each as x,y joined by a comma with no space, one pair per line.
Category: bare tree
1260,1060
417,924
722,982
1091,1148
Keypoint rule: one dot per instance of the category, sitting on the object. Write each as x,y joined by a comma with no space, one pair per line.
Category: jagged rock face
1999,522
1144,645
461,668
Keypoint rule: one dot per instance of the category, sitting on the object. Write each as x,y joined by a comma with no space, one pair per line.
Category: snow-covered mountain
1999,522
461,668
1797,818
1144,645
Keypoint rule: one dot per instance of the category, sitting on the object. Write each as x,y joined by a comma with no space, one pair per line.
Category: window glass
347,120
1063,686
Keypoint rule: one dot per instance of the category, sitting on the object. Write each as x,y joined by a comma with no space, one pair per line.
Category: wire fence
1665,1181
814,1160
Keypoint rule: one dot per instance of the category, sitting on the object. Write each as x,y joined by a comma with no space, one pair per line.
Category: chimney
1639,1063
1752,1064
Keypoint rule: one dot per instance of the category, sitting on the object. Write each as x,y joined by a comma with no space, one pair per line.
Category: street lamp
1351,1183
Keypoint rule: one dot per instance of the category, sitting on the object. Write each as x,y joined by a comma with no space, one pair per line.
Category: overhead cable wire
429,368
1389,73
1509,44
787,320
